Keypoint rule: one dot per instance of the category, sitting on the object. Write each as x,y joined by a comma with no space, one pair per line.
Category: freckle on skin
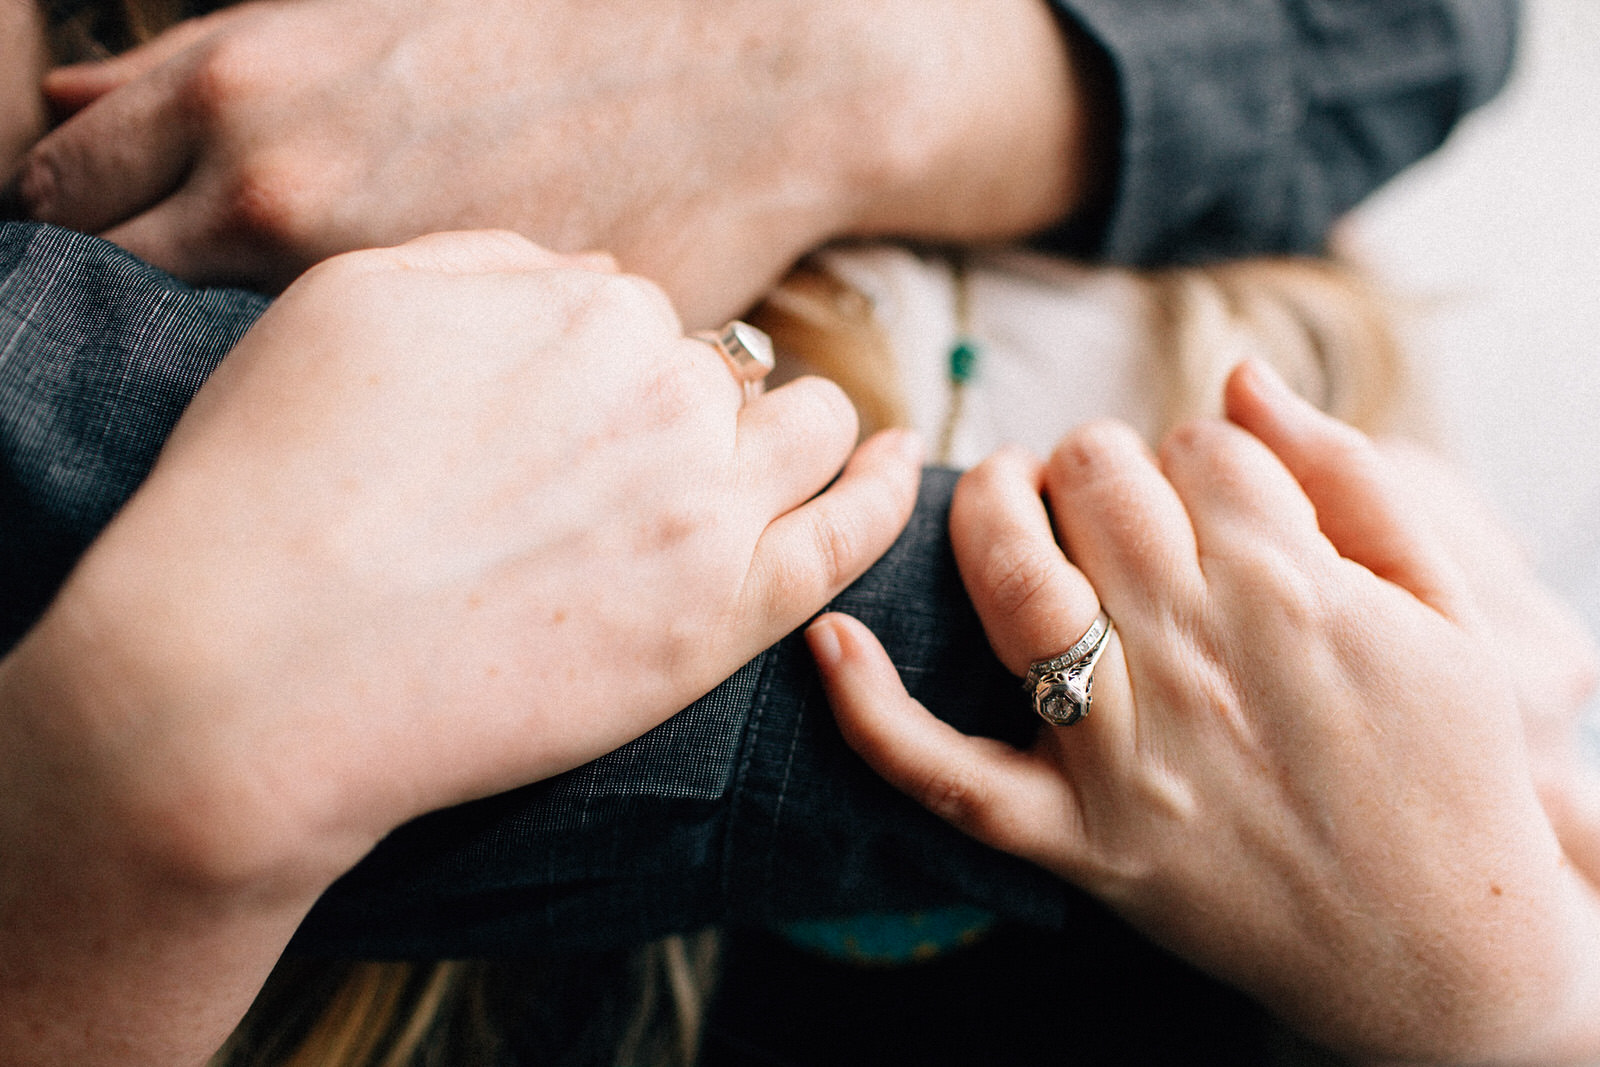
558,617
474,601
1496,890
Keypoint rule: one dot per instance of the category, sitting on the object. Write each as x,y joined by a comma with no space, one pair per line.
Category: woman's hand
1305,768
453,517
1549,659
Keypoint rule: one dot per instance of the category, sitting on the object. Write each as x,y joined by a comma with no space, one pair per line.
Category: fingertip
823,638
71,88
906,444
897,456
1255,385
995,487
839,641
804,413
861,682
1258,400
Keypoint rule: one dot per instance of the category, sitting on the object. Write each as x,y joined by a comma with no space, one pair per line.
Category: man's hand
706,143
451,518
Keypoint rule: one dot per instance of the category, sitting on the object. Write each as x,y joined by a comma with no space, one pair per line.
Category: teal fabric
891,939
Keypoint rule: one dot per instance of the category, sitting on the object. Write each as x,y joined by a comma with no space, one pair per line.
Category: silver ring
1060,686
746,350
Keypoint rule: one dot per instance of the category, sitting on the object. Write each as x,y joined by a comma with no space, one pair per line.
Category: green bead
963,361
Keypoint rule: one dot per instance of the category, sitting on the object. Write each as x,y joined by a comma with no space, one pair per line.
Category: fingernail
823,637
1267,381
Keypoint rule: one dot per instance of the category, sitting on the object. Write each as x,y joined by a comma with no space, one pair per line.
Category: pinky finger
984,788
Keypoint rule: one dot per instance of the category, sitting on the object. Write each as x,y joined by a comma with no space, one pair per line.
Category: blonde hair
629,1008
1319,322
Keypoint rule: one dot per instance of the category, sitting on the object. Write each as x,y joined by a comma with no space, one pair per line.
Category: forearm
1001,123
120,943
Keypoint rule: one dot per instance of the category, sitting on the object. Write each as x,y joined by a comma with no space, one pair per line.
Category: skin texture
1314,763
22,65
433,496
706,144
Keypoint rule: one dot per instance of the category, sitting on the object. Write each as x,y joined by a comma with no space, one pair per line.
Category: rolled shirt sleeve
1250,126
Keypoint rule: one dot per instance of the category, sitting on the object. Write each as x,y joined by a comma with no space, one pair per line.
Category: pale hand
451,518
1305,767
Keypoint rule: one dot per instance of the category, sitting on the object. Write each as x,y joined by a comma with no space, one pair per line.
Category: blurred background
1495,245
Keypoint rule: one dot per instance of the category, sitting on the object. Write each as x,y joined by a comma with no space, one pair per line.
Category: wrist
116,737
126,937
998,126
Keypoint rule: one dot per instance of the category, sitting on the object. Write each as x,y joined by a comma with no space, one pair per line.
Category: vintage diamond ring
1061,685
746,350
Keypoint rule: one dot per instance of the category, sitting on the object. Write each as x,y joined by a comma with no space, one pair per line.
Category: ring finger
1033,602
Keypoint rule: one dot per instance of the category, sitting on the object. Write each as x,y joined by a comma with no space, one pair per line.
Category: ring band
1060,686
746,350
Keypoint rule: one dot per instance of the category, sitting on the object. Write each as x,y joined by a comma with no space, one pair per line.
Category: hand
451,518
1549,659
1304,769
707,145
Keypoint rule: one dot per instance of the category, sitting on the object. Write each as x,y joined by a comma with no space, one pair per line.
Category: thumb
1573,808
983,787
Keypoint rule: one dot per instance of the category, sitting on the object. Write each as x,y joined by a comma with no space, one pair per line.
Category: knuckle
627,303
272,201
809,579
1017,577
838,548
1203,444
1094,448
231,70
957,795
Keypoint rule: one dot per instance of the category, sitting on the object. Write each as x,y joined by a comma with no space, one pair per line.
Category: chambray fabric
99,355
1249,126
